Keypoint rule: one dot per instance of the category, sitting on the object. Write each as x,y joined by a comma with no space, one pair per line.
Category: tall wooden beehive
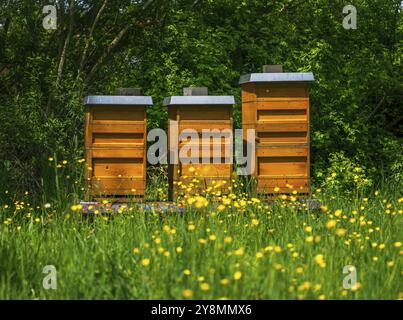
276,105
115,145
197,111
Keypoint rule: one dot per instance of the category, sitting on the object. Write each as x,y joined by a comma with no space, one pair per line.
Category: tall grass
240,248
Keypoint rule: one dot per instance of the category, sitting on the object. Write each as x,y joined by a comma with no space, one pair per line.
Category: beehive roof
119,100
199,100
277,77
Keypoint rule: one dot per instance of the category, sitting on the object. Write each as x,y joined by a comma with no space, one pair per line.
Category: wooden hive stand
115,146
276,105
197,111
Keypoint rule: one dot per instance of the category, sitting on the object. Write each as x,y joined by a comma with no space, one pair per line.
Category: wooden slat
262,151
295,104
117,153
116,113
205,113
286,90
282,137
282,127
119,167
206,170
118,138
116,185
289,115
118,128
286,166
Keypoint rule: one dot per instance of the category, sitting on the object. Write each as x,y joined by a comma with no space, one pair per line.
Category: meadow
216,247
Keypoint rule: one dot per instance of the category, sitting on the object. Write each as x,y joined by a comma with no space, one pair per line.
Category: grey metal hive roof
202,100
119,100
277,77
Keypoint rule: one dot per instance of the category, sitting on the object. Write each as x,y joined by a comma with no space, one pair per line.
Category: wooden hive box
197,111
276,105
115,146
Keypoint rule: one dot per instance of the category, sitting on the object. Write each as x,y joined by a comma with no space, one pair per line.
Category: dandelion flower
237,275
341,232
145,262
319,260
228,239
331,224
204,286
187,293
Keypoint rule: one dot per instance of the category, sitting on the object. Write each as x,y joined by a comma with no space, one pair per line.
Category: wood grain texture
115,151
198,119
279,112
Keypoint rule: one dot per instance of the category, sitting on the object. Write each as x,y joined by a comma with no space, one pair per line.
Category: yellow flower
204,286
187,272
308,229
390,264
397,244
228,239
187,293
277,249
224,281
179,249
330,224
341,232
221,207
237,275
212,237
145,262
322,297
309,239
259,255
319,260
276,189
136,250
304,286
299,270
239,252
356,287
255,222
157,240
191,227
337,213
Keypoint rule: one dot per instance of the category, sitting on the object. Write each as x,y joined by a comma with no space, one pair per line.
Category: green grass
103,257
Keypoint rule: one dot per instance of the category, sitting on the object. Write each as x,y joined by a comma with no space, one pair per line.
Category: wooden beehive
198,111
115,146
276,105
